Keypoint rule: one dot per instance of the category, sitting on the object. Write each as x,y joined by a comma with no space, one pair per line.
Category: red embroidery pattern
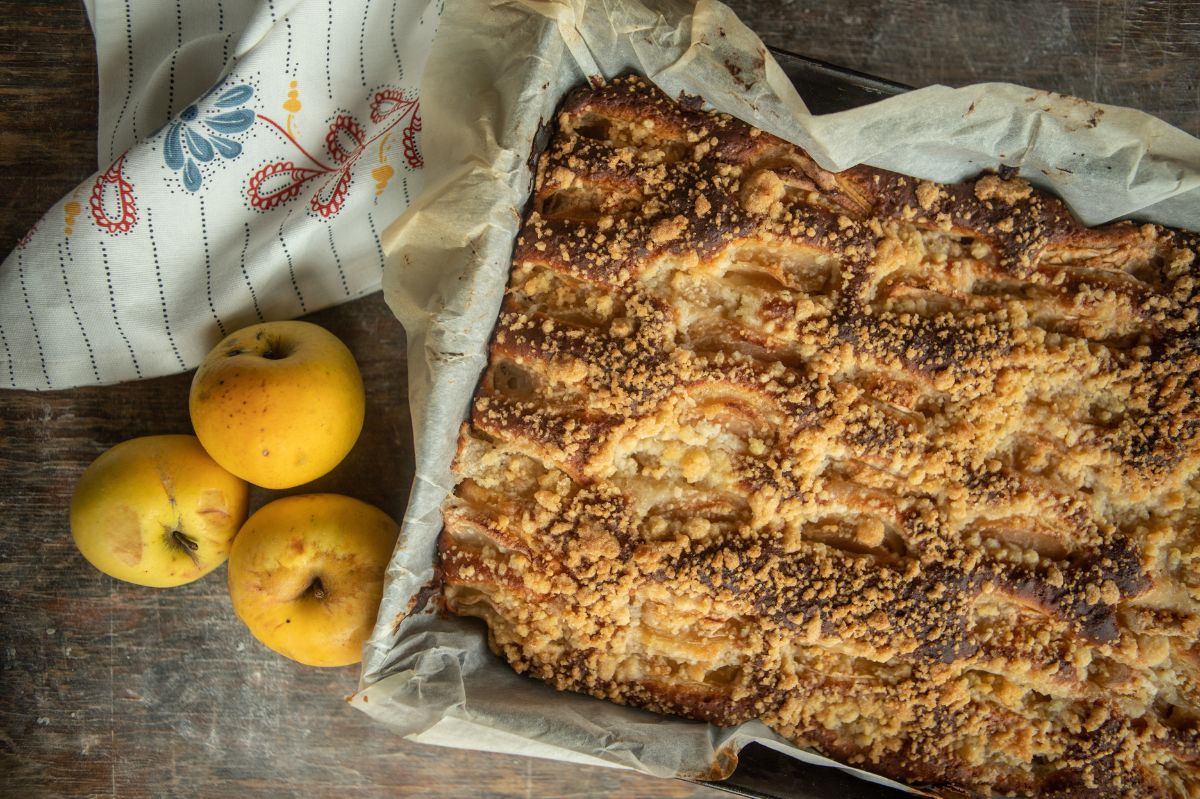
411,153
344,139
282,181
278,183
332,194
106,184
387,102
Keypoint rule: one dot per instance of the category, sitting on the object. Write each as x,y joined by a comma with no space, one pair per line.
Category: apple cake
908,471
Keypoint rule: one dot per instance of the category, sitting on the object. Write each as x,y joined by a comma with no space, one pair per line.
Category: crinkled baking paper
497,72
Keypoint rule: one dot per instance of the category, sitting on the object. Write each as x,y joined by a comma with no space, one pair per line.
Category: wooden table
110,689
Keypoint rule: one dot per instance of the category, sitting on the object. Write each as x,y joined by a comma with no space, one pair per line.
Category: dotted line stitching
112,301
174,58
378,244
221,29
395,45
162,292
87,342
12,379
291,270
32,320
208,269
112,142
337,260
362,44
328,48
287,57
246,275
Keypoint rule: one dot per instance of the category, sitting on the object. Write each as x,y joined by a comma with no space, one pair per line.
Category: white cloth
253,153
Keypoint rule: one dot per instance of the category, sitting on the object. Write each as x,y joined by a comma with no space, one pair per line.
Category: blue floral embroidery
200,134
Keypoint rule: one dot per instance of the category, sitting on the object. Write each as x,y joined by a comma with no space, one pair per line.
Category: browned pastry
908,471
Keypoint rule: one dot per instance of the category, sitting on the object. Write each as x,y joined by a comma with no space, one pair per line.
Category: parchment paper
496,72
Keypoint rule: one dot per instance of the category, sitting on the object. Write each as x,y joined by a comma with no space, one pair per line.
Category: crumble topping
908,471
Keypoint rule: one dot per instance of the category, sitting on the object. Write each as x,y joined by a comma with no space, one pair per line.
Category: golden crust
908,471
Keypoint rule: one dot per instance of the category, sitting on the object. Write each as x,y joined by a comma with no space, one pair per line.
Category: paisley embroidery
278,183
346,140
411,153
112,205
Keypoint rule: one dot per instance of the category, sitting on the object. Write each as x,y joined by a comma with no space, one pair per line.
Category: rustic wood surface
109,689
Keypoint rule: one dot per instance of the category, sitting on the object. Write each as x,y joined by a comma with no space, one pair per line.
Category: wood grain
107,689
48,109
1141,54
112,689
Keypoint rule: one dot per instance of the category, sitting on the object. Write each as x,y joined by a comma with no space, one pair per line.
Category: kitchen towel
252,153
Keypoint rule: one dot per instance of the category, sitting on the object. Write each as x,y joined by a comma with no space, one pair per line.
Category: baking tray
764,773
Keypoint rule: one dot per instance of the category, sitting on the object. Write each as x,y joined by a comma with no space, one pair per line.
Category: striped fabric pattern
252,154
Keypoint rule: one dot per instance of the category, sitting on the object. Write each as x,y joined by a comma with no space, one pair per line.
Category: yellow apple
157,511
306,575
278,403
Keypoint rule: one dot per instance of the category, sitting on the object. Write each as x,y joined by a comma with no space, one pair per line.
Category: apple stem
184,541
186,544
275,350
316,588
